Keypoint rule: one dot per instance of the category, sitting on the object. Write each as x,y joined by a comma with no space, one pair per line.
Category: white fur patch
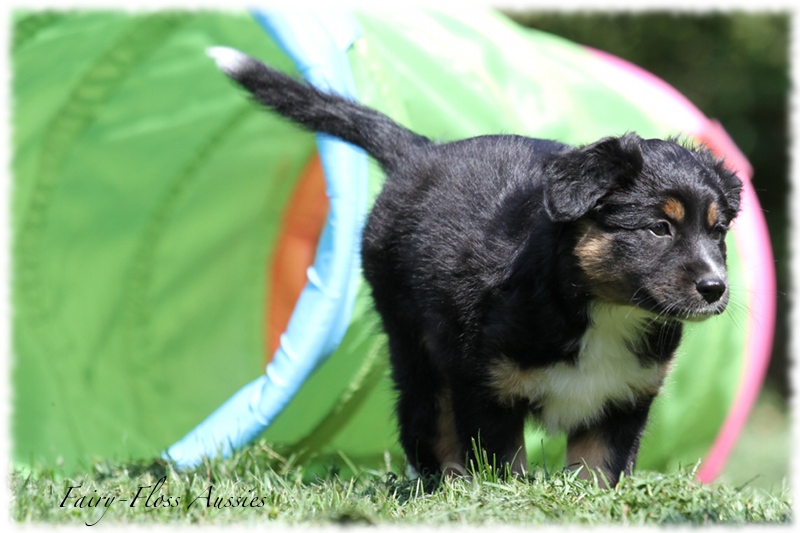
229,60
411,472
606,370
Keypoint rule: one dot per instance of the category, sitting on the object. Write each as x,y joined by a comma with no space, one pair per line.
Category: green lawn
260,485
257,486
761,455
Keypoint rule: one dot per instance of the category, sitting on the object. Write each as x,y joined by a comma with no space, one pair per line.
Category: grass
761,456
751,490
258,485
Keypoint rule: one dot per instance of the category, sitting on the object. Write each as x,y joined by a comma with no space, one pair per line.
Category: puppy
520,277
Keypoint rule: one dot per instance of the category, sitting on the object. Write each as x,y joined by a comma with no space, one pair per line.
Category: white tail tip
229,60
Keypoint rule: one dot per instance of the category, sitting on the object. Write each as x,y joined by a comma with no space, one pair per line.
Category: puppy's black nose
711,289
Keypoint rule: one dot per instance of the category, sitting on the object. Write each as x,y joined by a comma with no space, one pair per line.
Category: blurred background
735,68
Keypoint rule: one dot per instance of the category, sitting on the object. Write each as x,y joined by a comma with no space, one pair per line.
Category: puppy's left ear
729,182
577,179
732,187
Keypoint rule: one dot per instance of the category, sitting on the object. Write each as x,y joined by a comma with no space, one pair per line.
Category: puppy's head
651,217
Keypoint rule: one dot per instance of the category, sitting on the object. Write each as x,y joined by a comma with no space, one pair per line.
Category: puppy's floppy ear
729,182
577,179
732,189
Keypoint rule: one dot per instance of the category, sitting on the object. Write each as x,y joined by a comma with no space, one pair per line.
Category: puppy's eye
718,232
661,229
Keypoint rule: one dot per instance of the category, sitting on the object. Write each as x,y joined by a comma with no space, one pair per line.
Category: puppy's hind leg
420,392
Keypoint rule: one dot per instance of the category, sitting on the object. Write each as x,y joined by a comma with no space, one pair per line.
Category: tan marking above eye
712,215
674,209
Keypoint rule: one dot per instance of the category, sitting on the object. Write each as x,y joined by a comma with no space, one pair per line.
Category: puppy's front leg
611,444
498,429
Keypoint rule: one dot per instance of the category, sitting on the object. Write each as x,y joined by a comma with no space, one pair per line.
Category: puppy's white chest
607,370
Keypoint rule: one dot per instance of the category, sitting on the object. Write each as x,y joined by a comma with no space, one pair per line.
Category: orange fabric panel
301,228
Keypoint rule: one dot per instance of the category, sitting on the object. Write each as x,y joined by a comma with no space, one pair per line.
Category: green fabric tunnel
163,226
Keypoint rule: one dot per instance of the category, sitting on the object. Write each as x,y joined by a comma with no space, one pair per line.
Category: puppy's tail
382,138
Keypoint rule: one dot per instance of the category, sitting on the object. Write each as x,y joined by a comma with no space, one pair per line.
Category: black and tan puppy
520,277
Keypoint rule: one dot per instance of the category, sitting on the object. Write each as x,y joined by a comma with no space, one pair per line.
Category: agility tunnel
185,265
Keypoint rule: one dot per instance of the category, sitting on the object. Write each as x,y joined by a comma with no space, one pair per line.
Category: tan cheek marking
712,215
595,257
589,452
594,251
674,209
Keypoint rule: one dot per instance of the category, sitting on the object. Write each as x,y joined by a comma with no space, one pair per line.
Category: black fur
492,260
